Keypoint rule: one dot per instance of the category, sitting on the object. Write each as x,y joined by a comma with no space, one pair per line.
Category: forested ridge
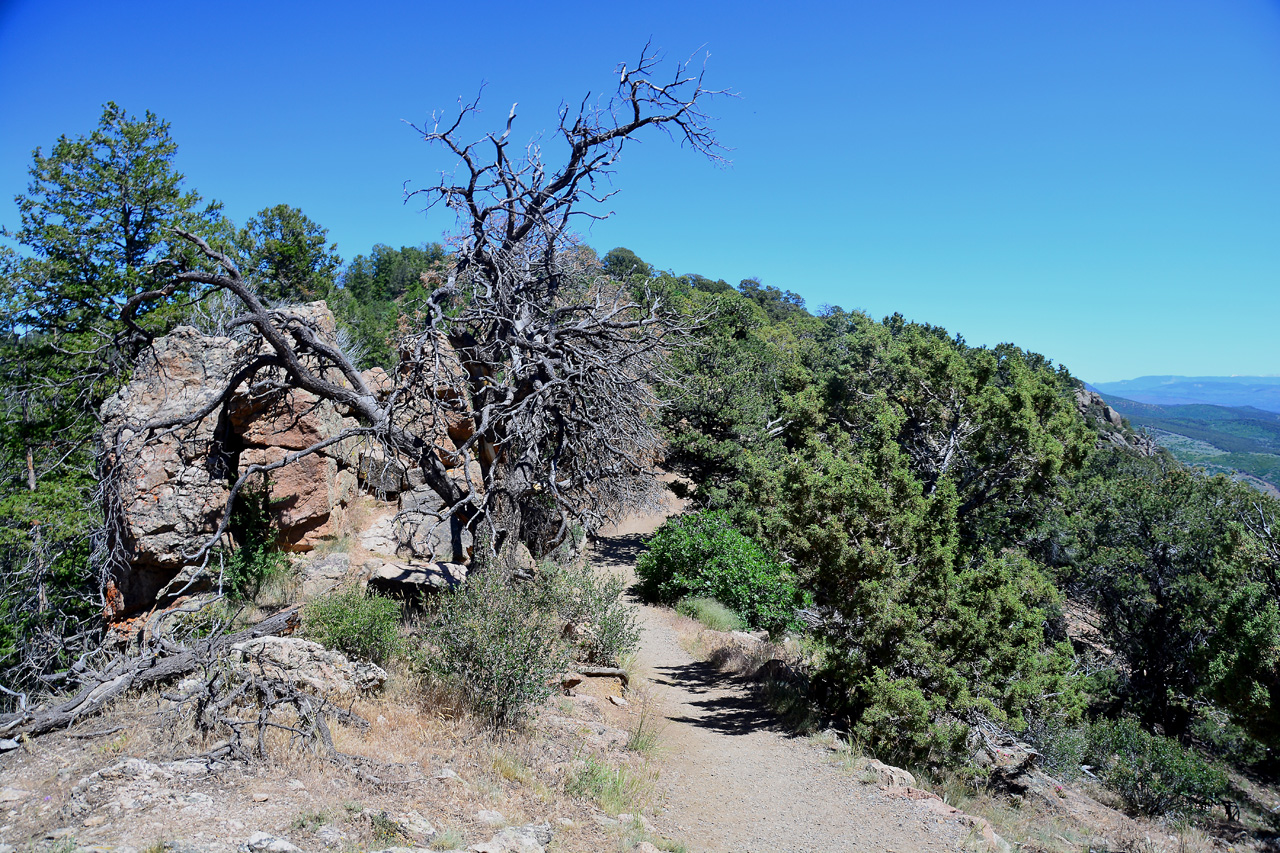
943,524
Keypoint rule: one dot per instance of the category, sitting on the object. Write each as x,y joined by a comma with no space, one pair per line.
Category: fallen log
605,672
126,673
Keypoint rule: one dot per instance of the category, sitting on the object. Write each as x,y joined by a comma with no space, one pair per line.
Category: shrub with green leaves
702,554
579,595
497,644
1154,775
1227,740
354,622
258,561
1063,745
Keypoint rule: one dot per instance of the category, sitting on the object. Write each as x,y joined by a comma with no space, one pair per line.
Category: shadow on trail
734,711
727,705
619,549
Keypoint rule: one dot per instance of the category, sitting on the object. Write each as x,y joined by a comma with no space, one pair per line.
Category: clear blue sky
1095,180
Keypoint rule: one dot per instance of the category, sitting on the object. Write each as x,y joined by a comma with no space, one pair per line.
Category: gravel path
733,781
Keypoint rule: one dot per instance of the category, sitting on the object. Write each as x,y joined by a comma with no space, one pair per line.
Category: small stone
261,798
490,817
190,767
175,847
13,795
645,847
570,680
267,843
296,785
331,836
416,825
619,701
445,774
539,832
888,776
509,841
565,822
7,744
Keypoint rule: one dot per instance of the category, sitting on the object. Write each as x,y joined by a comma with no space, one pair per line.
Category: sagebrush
492,642
590,605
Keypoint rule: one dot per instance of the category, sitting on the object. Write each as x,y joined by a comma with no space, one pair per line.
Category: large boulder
411,579
172,472
424,528
307,665
170,484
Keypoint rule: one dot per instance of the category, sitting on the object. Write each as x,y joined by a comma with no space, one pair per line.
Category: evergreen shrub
258,562
701,554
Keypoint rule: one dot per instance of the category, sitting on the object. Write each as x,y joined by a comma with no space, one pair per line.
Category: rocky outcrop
1112,428
402,578
307,665
170,483
169,489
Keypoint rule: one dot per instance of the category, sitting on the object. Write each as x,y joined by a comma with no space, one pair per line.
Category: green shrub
1154,775
355,623
496,644
258,561
579,595
702,555
709,612
1225,739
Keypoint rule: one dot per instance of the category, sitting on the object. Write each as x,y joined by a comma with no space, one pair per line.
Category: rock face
173,490
1111,426
172,481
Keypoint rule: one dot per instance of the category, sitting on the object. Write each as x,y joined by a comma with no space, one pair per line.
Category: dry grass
647,723
529,776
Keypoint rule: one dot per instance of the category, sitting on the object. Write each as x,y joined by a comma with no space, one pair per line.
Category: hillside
1242,440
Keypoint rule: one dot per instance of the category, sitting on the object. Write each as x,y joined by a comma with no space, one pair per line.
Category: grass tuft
710,612
615,789
448,839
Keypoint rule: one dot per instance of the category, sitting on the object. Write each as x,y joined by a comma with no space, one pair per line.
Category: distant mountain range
1260,392
1241,441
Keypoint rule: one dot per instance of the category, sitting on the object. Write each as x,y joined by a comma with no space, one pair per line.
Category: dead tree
560,362
548,363
160,663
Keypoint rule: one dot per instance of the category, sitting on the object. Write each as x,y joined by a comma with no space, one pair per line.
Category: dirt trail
733,781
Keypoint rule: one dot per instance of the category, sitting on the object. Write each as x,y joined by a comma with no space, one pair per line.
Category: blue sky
1094,180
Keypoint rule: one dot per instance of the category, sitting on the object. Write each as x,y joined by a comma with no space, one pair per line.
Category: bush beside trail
501,645
702,555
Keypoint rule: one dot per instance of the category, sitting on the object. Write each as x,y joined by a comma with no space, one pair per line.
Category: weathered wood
144,670
605,672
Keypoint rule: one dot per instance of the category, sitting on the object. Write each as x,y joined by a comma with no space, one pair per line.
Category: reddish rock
172,484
